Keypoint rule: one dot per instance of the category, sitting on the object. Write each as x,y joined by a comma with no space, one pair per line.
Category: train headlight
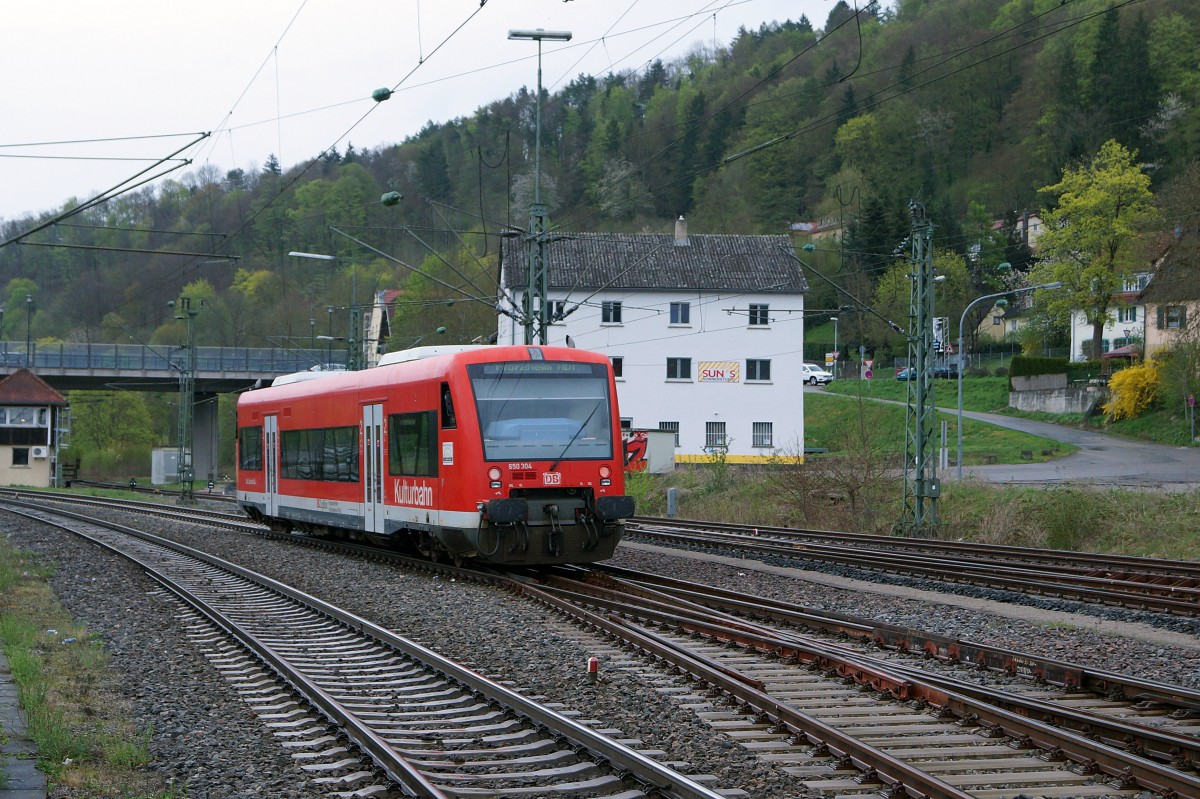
605,475
494,477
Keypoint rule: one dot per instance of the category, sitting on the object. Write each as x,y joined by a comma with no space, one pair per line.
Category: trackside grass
86,741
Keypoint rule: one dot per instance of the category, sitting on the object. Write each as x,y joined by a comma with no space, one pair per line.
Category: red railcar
506,454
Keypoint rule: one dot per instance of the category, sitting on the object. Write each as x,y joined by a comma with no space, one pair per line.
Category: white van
814,375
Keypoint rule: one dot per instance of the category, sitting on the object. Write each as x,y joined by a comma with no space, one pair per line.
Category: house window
19,416
679,368
714,435
681,313
758,369
997,320
1127,314
1137,283
1171,317
610,312
672,427
618,365
758,314
626,424
20,456
762,434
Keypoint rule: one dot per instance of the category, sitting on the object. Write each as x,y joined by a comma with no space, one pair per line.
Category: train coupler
554,538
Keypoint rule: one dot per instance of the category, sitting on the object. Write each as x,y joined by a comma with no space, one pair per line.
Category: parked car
949,371
910,372
814,375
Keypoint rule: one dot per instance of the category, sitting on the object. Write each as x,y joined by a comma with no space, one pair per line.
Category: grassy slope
825,416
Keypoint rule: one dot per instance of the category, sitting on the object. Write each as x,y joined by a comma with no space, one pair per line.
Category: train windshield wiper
563,454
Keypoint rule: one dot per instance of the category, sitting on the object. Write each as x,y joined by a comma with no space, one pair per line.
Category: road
1101,459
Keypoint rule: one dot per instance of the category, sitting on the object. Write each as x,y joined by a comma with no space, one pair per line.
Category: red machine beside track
504,454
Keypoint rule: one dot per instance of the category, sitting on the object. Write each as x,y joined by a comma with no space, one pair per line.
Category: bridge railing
137,357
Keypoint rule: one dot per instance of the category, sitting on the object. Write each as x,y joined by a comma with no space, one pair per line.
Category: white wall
718,331
1081,330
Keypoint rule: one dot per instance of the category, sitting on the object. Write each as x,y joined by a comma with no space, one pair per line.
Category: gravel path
208,742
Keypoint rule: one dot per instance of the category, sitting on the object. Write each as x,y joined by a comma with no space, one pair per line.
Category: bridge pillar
204,440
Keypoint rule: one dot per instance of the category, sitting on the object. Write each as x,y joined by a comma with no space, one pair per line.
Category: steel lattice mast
921,484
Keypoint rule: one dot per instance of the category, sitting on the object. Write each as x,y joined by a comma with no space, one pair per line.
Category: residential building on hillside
1126,323
1172,303
705,332
32,414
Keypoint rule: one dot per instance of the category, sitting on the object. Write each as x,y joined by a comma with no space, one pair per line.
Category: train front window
543,410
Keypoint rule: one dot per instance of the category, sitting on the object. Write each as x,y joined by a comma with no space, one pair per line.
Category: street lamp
539,278
834,319
28,330
329,346
352,343
962,320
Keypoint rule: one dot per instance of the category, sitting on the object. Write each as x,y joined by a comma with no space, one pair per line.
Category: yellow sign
720,371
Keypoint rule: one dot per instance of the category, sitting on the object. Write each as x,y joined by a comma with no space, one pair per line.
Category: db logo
552,478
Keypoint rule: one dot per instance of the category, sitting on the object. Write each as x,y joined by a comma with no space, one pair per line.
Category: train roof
420,353
426,360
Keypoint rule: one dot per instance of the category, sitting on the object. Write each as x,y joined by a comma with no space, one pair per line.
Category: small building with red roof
31,414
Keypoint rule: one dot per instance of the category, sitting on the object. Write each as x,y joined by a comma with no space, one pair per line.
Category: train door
373,448
271,462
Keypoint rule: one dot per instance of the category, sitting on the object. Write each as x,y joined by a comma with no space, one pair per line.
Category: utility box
650,451
164,466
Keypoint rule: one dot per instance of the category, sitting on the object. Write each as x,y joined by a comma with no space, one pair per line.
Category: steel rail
645,770
398,769
1093,741
1069,676
1059,558
897,773
1092,590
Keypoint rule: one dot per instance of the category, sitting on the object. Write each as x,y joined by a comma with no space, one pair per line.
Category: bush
1030,365
1133,391
1084,370
1002,371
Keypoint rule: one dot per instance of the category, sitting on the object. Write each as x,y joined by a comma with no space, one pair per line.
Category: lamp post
539,279
962,320
329,346
834,319
28,330
353,345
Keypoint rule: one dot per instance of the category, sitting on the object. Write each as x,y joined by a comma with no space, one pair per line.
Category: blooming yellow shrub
1132,390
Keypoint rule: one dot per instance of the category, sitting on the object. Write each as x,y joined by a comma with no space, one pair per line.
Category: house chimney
681,237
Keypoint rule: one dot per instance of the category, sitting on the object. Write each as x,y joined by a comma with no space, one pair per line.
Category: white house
705,332
1126,322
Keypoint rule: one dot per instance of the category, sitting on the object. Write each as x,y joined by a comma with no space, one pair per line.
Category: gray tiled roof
621,261
1177,279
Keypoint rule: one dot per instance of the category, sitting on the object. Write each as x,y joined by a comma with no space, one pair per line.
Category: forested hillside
969,107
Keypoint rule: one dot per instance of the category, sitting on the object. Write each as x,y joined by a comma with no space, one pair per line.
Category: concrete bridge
135,367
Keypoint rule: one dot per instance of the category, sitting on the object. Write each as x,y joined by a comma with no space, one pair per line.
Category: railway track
418,723
848,717
1142,584
842,719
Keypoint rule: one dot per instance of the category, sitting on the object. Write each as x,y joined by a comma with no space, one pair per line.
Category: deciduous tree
1088,244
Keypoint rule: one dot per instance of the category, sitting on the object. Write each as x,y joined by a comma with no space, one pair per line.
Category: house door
372,471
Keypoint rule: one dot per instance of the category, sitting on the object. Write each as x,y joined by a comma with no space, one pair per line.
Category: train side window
320,454
413,444
250,453
448,420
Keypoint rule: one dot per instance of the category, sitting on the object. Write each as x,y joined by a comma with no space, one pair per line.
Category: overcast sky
294,77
